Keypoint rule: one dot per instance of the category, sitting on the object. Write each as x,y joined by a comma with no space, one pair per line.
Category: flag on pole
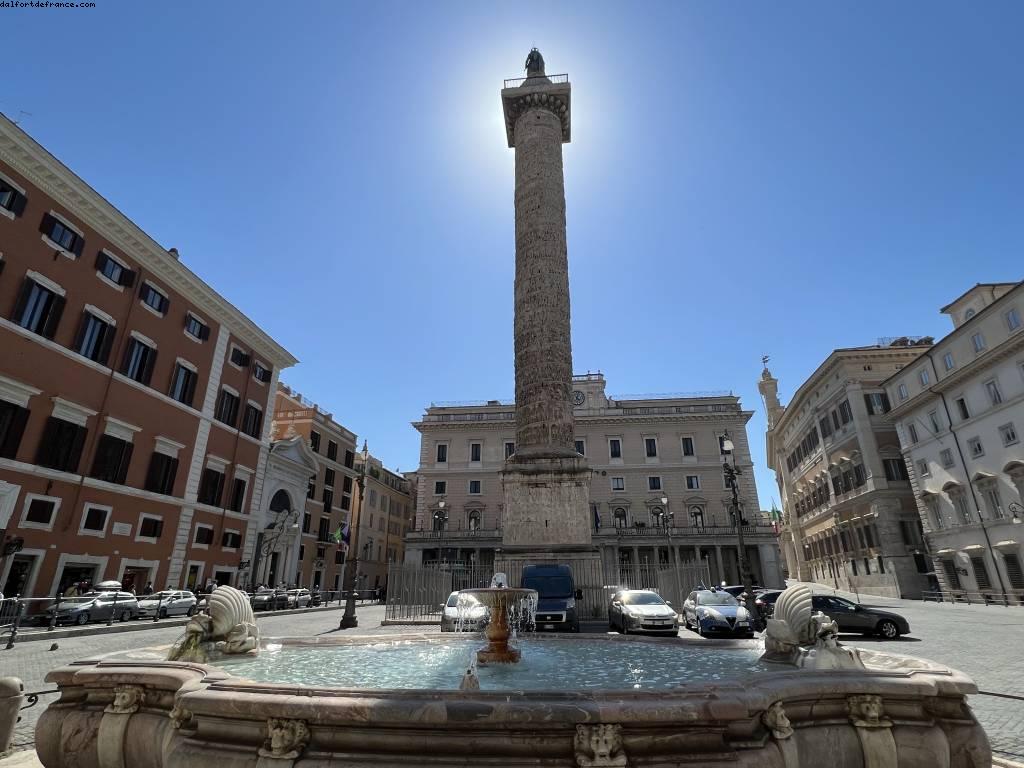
775,516
342,536
597,518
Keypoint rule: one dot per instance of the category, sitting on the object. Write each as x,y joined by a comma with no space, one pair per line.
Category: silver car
95,606
299,598
474,614
641,610
168,603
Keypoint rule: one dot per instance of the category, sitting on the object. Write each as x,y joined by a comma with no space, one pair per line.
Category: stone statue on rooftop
534,63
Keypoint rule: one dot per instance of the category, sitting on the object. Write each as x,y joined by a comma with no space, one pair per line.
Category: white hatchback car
168,603
299,598
474,614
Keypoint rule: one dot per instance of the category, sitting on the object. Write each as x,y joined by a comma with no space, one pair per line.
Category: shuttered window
161,473
139,360
38,309
12,426
95,338
980,572
1013,570
112,459
61,234
114,271
61,445
211,487
11,199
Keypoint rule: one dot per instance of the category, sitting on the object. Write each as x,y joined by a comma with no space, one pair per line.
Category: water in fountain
507,608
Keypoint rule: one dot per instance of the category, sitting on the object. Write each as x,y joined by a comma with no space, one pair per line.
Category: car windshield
642,598
549,586
456,597
716,598
158,596
76,600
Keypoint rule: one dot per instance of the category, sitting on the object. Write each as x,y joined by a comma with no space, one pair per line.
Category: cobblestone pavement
983,641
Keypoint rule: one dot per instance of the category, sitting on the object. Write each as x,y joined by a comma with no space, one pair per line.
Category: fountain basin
505,605
135,709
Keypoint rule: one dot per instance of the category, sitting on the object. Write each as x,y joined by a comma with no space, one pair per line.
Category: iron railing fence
517,81
986,597
418,593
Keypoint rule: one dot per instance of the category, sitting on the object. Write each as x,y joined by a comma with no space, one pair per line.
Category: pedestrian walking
148,589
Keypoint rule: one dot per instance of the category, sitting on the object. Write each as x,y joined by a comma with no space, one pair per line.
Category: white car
299,598
474,614
641,610
168,603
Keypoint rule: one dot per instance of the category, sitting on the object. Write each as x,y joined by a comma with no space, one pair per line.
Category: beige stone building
384,520
310,556
849,518
959,412
657,489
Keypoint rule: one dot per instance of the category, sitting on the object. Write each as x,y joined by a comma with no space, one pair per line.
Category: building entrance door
135,578
77,573
222,578
192,580
18,576
272,573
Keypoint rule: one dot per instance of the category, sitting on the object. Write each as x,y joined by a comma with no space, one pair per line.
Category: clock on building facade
578,398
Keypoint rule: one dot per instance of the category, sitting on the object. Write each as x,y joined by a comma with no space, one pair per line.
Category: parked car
270,599
715,612
95,606
765,602
168,603
299,598
315,598
865,619
556,596
474,613
641,610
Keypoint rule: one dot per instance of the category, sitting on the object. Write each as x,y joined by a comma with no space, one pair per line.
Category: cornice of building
48,174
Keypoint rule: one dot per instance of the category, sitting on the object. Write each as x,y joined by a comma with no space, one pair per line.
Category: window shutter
53,316
22,302
46,225
16,428
153,473
127,278
126,459
164,304
76,247
80,336
106,344
3,263
172,473
18,205
218,489
867,403
44,452
204,332
147,371
885,402
190,390
75,453
101,260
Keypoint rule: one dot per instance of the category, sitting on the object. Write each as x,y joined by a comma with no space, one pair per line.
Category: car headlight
570,603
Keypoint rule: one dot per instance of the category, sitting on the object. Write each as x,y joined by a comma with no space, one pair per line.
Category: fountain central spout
506,606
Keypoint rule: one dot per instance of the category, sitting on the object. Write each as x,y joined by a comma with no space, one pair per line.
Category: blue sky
744,179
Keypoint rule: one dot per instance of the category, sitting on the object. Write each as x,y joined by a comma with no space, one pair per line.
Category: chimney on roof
174,253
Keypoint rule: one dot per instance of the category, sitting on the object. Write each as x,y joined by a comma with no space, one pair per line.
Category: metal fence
418,593
974,598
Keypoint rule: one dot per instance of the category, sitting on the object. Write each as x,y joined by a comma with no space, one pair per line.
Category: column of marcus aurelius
546,484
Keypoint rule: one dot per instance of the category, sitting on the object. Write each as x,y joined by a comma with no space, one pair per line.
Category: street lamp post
349,619
736,509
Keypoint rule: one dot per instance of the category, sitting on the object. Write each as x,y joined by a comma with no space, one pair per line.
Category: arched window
440,520
697,515
474,520
620,517
657,517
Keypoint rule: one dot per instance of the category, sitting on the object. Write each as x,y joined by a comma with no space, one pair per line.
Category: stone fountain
506,607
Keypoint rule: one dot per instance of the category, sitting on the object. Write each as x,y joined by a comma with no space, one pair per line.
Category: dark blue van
557,596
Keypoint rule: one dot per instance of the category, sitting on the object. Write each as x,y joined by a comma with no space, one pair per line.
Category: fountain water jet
506,607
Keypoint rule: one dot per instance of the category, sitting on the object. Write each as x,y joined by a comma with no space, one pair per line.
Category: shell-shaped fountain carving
228,627
799,636
793,610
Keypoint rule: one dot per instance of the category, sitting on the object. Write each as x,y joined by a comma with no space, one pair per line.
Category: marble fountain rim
919,677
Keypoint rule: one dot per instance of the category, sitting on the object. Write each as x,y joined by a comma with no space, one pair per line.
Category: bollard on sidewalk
12,693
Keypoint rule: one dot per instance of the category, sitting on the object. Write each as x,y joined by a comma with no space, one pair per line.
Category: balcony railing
690,531
470,533
517,81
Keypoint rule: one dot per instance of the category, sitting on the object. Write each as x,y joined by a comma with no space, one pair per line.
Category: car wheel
191,611
123,616
162,613
888,629
82,618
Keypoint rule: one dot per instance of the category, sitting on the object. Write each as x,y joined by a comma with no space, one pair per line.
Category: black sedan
863,619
